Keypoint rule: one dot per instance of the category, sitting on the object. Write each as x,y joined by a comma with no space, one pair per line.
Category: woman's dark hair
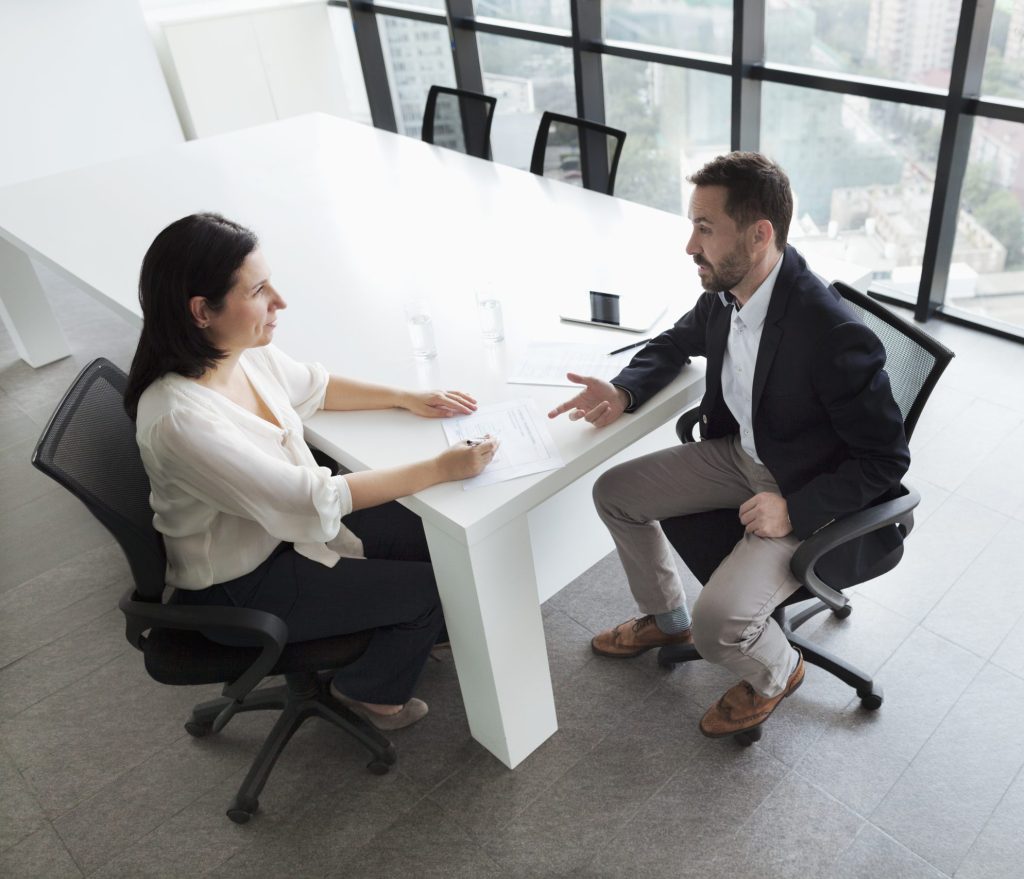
198,255
757,189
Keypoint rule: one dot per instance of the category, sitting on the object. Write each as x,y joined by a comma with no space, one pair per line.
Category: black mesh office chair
89,448
914,361
459,119
577,151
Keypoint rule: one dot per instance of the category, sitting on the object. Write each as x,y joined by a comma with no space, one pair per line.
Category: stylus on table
627,347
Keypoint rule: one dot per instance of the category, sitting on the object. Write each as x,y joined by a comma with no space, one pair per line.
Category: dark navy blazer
825,422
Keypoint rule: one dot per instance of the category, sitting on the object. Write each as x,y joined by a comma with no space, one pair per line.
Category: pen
627,347
475,441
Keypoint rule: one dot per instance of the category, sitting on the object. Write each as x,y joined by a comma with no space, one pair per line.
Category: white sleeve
216,464
304,383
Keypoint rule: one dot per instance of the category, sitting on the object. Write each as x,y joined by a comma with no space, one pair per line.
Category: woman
247,516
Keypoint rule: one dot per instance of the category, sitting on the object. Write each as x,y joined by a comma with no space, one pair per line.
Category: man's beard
729,272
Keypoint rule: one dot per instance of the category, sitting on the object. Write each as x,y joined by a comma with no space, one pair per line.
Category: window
986,276
674,120
1004,62
549,13
527,79
417,55
677,24
889,39
863,172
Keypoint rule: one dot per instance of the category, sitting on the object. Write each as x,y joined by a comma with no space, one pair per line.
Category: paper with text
546,363
525,446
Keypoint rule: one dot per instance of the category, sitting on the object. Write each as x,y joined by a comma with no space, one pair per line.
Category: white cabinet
240,68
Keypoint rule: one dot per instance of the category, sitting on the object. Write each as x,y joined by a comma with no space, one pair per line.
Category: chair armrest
268,630
836,534
686,424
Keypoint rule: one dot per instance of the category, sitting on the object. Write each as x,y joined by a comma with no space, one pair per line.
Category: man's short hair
756,189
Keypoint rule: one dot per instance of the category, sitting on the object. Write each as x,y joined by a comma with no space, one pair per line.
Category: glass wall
852,100
527,78
674,120
676,24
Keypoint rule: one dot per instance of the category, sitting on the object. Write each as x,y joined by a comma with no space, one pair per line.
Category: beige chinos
732,624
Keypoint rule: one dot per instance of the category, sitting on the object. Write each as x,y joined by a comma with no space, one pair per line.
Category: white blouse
229,486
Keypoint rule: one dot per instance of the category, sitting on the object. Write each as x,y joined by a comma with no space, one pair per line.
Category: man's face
717,246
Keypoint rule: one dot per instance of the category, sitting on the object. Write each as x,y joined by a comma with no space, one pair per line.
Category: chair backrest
459,120
577,151
914,360
89,448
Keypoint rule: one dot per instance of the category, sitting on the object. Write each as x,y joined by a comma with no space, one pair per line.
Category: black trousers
391,591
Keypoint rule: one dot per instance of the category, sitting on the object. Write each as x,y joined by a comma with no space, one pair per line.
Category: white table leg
489,593
26,311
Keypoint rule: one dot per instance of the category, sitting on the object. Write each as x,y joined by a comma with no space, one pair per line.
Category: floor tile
997,480
990,588
861,754
39,855
998,852
950,790
798,831
951,457
873,853
936,554
57,527
20,812
15,425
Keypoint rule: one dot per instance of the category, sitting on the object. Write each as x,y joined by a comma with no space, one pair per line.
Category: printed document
525,445
546,363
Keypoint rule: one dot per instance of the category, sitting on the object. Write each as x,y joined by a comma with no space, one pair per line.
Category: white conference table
353,221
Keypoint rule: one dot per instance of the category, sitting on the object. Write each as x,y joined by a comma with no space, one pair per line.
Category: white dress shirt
741,356
229,486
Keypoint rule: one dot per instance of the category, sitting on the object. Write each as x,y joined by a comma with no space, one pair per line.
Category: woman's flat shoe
413,710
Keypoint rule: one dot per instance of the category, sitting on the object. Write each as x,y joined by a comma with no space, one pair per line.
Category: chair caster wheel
242,810
666,664
198,728
378,767
843,612
871,700
748,737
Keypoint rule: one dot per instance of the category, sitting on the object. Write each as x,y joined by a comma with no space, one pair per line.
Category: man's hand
766,515
599,402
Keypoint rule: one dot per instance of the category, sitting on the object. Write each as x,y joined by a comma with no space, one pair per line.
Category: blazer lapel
771,332
718,336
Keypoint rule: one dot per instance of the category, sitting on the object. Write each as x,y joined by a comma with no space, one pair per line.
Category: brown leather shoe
634,637
743,708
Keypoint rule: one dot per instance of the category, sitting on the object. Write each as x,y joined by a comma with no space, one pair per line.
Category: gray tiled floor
98,778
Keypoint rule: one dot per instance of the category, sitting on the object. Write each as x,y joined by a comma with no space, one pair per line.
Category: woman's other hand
463,460
438,404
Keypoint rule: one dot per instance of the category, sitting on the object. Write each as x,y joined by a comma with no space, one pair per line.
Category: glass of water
420,324
488,308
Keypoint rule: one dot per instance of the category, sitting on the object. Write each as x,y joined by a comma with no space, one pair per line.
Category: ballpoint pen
475,441
627,347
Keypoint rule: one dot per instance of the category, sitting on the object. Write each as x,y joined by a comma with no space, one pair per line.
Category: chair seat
184,658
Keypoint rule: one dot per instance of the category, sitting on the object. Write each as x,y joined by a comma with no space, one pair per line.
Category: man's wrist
625,398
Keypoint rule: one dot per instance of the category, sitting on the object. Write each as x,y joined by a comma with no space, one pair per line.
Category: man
799,428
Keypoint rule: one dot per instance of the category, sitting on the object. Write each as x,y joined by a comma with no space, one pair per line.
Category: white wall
81,84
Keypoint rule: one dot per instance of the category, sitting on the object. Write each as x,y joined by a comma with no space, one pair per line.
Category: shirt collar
754,312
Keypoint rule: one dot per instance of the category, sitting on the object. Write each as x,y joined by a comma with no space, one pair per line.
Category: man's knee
716,632
613,488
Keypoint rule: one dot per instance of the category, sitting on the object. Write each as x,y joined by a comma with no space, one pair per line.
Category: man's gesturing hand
599,402
766,515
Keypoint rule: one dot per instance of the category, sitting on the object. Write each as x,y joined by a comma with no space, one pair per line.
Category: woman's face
249,313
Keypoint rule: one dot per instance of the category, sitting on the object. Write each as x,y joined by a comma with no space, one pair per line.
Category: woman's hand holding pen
438,404
466,458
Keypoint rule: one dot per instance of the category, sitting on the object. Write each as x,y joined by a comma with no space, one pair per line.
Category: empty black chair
914,362
89,448
459,119
577,151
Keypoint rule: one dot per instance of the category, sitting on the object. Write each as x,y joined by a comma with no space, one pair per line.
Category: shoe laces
643,622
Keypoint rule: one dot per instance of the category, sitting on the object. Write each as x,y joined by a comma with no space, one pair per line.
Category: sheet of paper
546,363
525,446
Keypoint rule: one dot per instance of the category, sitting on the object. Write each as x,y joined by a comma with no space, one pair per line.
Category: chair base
869,692
302,696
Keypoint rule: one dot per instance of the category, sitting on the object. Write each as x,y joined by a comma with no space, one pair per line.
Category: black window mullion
748,18
954,147
589,80
371,60
465,52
